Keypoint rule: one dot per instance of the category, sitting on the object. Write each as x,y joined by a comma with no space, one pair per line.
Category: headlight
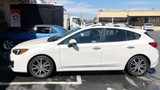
19,51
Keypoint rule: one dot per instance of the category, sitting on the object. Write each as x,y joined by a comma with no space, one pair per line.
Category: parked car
9,40
87,49
149,27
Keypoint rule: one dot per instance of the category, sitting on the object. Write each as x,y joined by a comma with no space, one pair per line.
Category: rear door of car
116,49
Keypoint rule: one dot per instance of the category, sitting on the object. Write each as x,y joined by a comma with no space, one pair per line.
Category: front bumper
11,65
18,63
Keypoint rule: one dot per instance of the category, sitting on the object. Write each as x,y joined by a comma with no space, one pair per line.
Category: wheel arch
149,62
41,55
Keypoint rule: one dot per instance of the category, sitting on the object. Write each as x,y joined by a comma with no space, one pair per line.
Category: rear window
149,25
148,34
132,35
43,30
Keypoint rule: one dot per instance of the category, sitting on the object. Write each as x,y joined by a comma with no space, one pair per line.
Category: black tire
36,69
8,44
137,66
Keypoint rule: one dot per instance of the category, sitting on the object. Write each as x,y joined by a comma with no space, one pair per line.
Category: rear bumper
154,64
154,58
149,29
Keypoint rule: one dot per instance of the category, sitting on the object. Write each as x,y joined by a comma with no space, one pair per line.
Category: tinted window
149,25
42,30
114,35
59,29
148,34
76,20
53,31
88,36
132,35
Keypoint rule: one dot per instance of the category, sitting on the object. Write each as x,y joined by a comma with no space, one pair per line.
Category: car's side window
45,30
132,35
87,36
52,30
114,35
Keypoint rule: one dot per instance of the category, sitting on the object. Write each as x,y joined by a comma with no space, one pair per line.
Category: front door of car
86,54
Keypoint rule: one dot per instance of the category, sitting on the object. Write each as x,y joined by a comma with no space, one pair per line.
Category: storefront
132,17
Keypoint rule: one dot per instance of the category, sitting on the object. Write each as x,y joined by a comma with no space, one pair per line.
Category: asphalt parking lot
104,80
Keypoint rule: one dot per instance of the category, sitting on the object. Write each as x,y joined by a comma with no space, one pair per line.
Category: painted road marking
79,81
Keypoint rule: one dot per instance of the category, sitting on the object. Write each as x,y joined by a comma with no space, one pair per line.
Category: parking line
79,81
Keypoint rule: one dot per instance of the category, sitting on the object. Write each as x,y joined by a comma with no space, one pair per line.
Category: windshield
149,25
77,21
63,35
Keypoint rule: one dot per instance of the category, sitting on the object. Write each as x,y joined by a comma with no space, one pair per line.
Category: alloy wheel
8,44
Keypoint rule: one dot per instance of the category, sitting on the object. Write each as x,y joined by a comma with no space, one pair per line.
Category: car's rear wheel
137,66
41,67
8,44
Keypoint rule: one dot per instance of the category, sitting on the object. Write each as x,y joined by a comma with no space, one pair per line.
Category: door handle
96,48
130,47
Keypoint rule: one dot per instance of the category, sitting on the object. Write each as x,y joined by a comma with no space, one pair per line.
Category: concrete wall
157,28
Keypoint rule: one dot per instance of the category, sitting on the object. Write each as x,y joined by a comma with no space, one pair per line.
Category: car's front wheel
137,65
8,44
41,67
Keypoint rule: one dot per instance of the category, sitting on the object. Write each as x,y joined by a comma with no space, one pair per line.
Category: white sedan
92,48
149,27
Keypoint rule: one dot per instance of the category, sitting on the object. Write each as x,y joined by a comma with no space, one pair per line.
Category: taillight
153,44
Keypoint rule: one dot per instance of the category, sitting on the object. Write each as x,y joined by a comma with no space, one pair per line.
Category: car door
117,49
86,54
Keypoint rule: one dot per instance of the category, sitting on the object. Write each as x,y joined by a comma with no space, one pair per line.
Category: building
132,17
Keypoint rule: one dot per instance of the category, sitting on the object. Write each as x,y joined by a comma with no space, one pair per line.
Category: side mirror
72,42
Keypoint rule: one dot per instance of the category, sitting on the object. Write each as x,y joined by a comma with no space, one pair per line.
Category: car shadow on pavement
110,80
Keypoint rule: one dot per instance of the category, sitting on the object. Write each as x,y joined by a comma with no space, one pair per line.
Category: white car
92,48
149,27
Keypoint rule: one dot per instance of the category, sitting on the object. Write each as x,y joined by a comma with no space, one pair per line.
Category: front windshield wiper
51,39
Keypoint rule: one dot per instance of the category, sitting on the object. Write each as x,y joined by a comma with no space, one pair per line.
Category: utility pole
81,18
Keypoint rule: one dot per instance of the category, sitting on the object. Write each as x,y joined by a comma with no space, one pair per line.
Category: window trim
101,37
126,39
104,37
135,33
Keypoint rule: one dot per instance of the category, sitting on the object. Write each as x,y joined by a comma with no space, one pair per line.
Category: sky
88,8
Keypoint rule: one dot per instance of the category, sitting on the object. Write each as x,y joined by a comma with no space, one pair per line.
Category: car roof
113,27
148,23
56,27
43,25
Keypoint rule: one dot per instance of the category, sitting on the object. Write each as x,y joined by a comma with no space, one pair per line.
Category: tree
95,19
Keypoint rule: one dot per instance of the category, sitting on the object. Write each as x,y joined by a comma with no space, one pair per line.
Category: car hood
32,43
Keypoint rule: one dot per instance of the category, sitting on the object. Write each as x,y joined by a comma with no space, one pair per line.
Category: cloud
73,7
81,7
84,4
137,2
65,2
81,10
